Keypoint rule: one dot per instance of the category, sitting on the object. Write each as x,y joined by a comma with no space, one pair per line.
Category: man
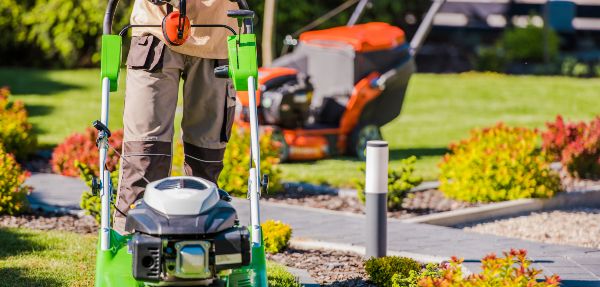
154,70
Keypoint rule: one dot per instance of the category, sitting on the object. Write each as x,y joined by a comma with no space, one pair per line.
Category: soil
415,204
51,221
328,268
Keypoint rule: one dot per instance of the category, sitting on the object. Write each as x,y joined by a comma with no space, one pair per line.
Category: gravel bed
50,221
415,204
578,227
328,268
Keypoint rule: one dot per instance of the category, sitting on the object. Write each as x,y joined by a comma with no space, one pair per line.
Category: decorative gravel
579,227
416,203
50,221
328,268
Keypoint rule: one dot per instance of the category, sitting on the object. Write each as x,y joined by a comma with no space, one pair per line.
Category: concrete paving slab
56,193
432,241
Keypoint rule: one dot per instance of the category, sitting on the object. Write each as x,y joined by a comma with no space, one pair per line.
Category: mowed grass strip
46,258
439,109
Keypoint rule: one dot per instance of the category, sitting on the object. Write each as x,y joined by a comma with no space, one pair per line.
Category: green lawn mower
184,232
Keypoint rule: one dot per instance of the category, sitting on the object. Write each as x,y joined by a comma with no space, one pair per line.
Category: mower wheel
359,138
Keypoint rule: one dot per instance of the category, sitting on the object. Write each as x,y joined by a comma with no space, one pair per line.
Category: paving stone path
578,267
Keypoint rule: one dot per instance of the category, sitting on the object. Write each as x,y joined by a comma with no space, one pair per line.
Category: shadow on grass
38,110
397,154
18,277
17,243
31,81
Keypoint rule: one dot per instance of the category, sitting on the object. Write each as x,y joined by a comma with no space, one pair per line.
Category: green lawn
46,258
52,258
439,109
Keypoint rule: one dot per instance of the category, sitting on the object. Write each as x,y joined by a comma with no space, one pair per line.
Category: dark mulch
329,268
417,203
51,221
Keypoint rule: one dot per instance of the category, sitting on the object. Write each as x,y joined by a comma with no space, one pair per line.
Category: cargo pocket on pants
145,53
229,112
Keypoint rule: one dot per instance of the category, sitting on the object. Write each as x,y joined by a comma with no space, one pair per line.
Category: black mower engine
185,233
285,101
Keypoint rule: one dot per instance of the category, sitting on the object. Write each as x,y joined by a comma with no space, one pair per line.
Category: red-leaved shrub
81,147
576,145
559,135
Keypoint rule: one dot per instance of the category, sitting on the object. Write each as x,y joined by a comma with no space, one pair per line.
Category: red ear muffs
170,28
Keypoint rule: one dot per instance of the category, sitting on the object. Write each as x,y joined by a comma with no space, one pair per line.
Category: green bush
276,235
430,271
382,270
400,181
16,134
497,164
234,178
527,44
278,276
89,202
13,190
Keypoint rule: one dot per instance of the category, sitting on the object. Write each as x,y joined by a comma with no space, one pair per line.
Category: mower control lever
222,72
102,128
240,14
96,186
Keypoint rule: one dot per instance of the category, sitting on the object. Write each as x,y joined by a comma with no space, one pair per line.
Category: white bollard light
376,189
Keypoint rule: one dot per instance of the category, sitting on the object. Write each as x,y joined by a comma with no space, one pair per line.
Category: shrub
582,156
527,43
382,270
278,276
276,235
400,182
13,190
559,135
81,148
234,177
497,164
91,203
514,270
16,133
576,145
431,271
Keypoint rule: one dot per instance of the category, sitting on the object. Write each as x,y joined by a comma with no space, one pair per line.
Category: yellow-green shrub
278,276
513,269
276,235
13,190
16,133
382,270
497,164
400,181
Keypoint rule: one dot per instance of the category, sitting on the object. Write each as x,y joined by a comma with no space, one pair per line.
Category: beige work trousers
153,75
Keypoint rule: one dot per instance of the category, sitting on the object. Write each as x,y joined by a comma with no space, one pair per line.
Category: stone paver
55,192
579,267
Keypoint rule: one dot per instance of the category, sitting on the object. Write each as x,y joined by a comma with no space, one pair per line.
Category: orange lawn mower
337,88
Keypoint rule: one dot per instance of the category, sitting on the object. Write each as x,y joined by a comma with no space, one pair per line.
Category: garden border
588,198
